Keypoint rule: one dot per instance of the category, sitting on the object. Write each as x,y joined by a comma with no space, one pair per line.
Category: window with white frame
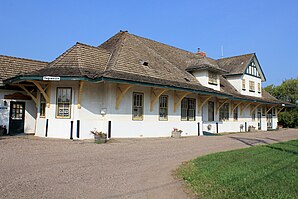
163,107
259,87
252,86
63,102
138,106
224,112
212,78
42,106
235,114
243,84
210,111
188,109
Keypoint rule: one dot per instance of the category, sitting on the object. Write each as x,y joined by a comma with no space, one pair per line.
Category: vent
145,63
186,79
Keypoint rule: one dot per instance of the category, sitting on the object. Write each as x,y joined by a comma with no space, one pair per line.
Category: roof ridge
23,58
116,52
235,56
95,47
161,43
61,56
79,60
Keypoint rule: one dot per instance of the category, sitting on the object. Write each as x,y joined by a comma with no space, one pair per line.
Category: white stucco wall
102,96
202,77
30,111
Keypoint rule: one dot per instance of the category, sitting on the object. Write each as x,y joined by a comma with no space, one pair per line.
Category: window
212,78
163,107
259,87
138,106
252,86
188,109
42,106
235,114
224,112
243,84
253,116
210,111
274,111
63,102
263,111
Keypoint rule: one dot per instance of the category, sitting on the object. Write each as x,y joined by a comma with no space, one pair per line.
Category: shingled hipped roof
133,58
13,66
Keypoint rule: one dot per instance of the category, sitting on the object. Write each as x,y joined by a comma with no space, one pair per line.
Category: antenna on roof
222,51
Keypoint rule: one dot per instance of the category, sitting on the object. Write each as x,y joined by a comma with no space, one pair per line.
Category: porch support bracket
154,95
270,109
178,97
30,94
202,101
121,91
42,90
81,86
219,105
282,108
235,106
244,107
254,108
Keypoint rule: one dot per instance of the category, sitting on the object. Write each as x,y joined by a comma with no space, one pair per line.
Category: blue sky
44,29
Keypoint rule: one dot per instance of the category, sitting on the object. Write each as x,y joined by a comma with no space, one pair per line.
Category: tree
287,91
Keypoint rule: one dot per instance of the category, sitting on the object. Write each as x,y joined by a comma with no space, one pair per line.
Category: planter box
100,139
176,134
251,129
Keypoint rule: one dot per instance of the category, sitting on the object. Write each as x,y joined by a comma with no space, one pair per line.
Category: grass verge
267,171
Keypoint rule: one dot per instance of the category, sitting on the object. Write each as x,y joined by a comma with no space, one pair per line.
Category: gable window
42,106
188,109
138,106
210,111
243,84
63,102
235,114
251,86
212,78
259,87
163,107
224,112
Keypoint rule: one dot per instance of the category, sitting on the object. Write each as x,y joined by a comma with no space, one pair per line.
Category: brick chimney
203,54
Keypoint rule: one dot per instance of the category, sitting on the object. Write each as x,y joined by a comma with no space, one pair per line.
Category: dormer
205,71
245,74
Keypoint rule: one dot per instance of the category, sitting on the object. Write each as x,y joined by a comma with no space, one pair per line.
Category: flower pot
100,139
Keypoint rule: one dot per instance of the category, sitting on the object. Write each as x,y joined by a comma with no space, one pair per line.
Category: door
16,117
259,114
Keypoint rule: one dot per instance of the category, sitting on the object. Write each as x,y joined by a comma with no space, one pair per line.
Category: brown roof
129,57
13,66
236,64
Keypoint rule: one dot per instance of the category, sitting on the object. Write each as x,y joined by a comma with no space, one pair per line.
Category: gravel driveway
134,168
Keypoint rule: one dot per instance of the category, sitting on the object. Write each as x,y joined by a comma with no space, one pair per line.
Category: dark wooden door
16,117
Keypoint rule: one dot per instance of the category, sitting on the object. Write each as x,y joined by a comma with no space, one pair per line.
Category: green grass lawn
268,171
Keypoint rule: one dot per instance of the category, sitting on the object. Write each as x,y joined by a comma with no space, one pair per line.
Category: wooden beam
30,94
244,107
219,105
120,92
49,86
235,106
202,101
178,97
270,109
81,86
42,90
254,108
154,95
280,110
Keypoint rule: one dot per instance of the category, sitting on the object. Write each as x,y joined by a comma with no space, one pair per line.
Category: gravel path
134,168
